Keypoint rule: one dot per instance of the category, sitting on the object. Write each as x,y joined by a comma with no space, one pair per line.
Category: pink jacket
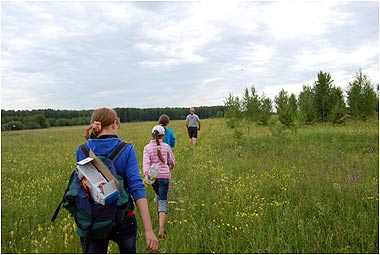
150,157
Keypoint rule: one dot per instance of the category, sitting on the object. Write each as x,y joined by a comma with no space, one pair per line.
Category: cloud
336,58
297,19
84,55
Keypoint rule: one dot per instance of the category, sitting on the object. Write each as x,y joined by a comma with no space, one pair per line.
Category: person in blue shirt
169,134
102,140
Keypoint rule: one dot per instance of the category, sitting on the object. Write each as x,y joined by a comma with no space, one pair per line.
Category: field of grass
312,191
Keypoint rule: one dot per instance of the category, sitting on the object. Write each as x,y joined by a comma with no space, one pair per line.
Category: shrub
12,125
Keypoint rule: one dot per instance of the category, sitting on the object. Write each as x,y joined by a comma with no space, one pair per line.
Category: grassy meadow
315,190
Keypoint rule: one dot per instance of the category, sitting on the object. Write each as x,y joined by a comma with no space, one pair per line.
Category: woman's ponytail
156,136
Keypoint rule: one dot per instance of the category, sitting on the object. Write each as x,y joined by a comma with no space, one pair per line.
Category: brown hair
157,137
163,120
102,117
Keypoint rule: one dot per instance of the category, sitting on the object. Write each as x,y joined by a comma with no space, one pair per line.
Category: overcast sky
86,55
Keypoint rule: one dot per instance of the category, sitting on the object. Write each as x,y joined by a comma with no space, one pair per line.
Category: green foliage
252,108
251,104
39,120
12,125
24,122
265,110
293,110
286,108
219,114
322,97
276,128
52,118
361,96
233,115
338,111
60,122
306,105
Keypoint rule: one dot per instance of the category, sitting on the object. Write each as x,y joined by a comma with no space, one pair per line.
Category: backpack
95,221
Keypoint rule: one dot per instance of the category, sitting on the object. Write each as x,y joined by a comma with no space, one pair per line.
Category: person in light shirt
193,125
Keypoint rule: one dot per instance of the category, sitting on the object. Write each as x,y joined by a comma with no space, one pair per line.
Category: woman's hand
147,181
86,133
150,238
151,241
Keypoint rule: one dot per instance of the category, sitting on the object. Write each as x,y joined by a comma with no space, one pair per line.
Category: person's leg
94,246
162,221
162,205
194,142
194,136
191,135
124,234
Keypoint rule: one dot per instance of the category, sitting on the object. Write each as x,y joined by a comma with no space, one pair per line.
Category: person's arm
132,176
172,141
150,238
138,192
199,124
146,161
187,121
86,133
171,159
146,165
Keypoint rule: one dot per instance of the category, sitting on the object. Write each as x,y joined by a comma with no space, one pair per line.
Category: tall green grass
310,191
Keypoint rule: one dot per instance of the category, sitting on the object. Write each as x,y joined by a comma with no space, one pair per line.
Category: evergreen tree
292,110
282,106
361,97
286,108
306,105
338,111
322,98
369,99
354,95
233,114
265,110
251,104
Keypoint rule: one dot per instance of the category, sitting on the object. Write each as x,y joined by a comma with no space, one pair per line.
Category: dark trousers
124,234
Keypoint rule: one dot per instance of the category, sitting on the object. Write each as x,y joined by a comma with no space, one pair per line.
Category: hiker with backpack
159,158
97,224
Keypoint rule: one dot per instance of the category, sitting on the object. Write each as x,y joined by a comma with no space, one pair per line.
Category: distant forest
320,102
44,118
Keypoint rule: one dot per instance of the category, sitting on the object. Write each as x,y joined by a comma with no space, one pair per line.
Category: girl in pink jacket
158,153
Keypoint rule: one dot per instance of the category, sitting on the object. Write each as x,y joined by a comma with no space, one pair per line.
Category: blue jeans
124,234
161,187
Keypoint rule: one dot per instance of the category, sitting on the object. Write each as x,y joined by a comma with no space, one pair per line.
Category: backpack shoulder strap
56,211
84,150
113,155
117,151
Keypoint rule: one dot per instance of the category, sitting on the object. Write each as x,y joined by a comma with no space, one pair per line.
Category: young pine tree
322,98
338,111
306,105
286,108
361,97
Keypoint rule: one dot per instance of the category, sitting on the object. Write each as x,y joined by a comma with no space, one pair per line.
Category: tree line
44,118
321,102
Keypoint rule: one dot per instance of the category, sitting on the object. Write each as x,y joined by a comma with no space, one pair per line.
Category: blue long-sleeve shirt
169,138
126,163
